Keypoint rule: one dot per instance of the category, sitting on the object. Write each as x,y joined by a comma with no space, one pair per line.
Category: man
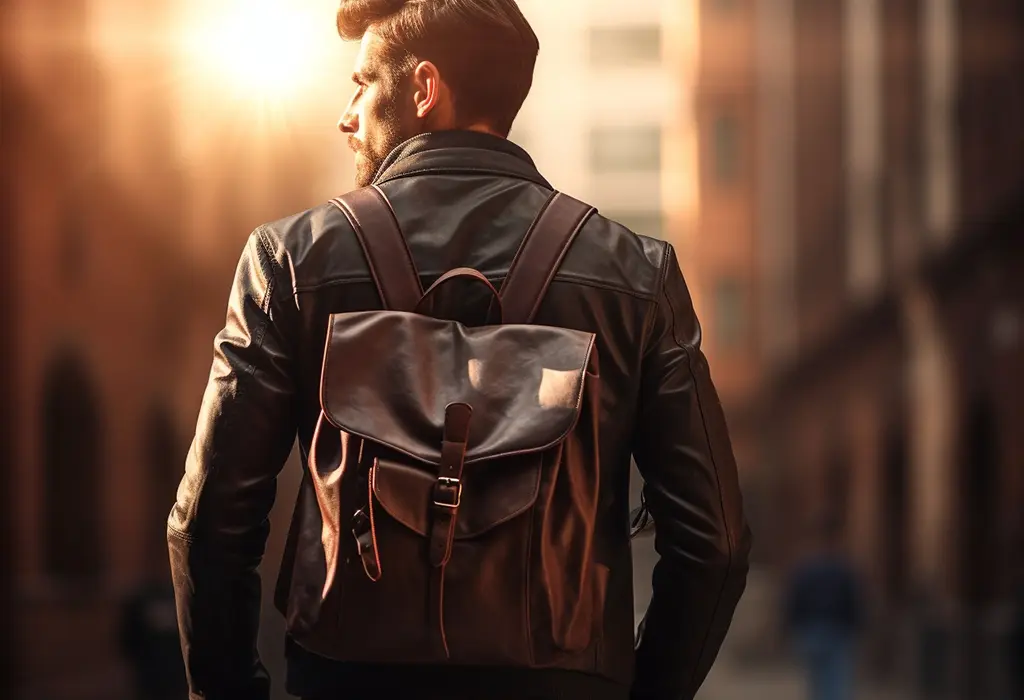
149,642
1016,637
438,84
824,611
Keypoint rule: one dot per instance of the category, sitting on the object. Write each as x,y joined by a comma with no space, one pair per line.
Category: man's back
464,199
606,284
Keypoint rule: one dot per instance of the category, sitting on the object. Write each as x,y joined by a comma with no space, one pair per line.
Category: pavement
772,675
783,682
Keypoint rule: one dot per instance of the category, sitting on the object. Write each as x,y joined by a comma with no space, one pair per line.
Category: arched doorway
895,511
165,465
978,571
837,485
72,445
893,552
979,505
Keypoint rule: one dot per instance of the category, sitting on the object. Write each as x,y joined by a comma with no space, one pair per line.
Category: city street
731,678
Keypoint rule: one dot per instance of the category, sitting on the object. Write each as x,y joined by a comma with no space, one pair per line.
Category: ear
427,88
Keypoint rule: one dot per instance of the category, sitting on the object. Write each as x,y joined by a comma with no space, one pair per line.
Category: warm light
259,49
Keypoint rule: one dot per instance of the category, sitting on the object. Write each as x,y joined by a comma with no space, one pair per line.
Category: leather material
427,307
540,256
462,200
399,402
390,263
438,370
405,494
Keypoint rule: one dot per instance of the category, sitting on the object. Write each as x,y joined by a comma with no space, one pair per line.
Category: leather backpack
456,466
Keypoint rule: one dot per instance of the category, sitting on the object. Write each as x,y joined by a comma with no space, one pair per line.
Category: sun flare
260,49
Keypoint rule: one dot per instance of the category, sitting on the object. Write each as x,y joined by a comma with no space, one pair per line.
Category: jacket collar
459,151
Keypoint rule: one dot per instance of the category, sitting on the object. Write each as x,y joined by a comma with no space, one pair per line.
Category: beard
367,163
387,127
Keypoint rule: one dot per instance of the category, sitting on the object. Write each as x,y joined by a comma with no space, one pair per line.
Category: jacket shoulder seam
562,278
267,263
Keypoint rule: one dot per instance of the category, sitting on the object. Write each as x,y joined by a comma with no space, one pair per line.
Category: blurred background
843,180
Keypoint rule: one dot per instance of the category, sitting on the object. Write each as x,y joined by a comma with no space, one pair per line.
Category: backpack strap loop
424,305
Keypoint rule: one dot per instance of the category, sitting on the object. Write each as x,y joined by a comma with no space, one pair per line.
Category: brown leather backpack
456,467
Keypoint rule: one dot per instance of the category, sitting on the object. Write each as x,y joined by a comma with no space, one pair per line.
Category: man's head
432,65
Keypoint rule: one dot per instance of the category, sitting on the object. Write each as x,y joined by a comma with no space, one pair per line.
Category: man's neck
484,129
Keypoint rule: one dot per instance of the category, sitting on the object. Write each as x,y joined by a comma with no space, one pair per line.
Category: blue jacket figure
823,615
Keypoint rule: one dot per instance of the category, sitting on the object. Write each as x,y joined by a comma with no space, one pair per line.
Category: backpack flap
388,377
524,384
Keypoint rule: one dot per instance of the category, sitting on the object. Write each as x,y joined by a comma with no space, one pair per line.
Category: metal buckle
447,482
362,532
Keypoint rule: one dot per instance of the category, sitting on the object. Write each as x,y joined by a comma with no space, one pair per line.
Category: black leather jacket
462,199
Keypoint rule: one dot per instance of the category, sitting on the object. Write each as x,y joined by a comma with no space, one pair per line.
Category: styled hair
485,50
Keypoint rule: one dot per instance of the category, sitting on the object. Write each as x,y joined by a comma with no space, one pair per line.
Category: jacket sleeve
218,527
682,449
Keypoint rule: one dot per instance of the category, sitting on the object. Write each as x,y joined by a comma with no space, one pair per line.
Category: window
625,149
165,459
624,46
723,5
730,314
640,222
725,149
165,455
72,467
72,246
837,485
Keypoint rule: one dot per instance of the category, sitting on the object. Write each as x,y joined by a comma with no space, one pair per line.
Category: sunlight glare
260,49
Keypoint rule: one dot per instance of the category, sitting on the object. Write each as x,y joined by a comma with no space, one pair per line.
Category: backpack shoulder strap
386,251
540,255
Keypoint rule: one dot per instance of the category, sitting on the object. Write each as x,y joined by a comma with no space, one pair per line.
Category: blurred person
438,84
824,614
1015,657
149,641
933,652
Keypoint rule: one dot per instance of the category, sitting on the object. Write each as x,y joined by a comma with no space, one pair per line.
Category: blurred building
602,102
7,292
95,330
610,116
723,252
890,278
121,256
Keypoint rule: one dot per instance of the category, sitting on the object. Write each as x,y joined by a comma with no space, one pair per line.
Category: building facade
118,267
892,398
93,358
610,118
723,258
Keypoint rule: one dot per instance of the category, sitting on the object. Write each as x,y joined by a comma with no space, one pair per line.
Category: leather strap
386,251
364,529
460,273
357,498
540,255
445,510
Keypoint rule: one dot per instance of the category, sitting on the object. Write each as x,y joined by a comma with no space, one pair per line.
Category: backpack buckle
366,543
447,492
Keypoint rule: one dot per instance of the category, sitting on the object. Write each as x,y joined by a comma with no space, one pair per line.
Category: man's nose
349,123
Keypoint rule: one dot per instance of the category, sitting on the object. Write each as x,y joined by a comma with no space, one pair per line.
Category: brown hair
485,49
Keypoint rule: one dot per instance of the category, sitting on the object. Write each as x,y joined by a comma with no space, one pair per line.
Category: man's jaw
364,170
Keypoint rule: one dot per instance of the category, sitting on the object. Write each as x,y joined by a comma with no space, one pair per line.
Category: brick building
95,345
722,251
897,280
115,278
